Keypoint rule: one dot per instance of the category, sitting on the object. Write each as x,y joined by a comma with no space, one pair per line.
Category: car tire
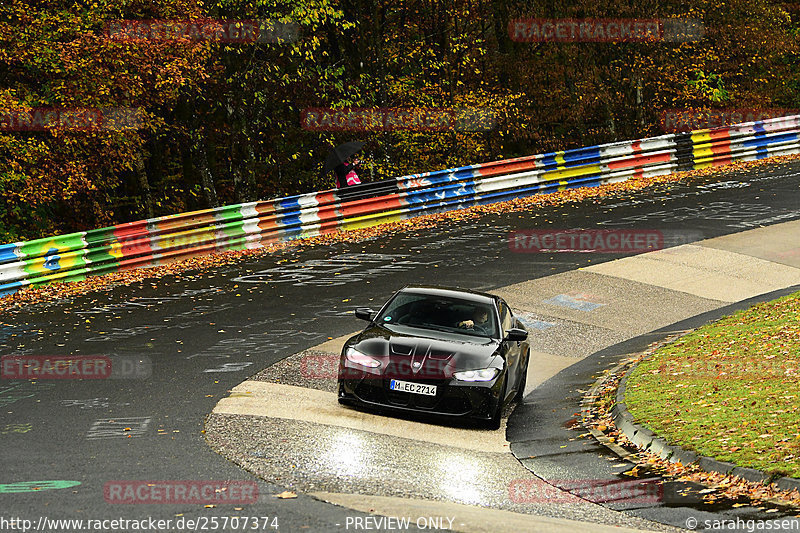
497,414
521,386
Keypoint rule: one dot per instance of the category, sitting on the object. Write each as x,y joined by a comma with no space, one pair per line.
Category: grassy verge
729,390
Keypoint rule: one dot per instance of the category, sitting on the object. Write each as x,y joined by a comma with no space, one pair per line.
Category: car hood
413,353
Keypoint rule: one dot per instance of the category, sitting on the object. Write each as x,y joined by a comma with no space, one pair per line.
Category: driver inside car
479,321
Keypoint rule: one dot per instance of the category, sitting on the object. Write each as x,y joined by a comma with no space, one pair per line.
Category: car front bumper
453,398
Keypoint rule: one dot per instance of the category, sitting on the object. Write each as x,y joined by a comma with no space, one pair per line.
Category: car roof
451,292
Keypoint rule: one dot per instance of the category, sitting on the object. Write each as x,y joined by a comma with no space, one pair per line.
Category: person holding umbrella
339,161
346,173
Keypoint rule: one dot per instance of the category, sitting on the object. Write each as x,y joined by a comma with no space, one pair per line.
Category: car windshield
441,313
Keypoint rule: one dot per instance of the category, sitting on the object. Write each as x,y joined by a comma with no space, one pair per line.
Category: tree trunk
250,177
235,163
639,101
500,20
236,174
144,185
206,177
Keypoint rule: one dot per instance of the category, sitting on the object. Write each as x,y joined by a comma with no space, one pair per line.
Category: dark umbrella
338,155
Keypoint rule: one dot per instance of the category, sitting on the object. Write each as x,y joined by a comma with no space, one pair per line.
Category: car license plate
413,388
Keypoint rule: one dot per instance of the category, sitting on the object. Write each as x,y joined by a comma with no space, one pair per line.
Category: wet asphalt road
198,335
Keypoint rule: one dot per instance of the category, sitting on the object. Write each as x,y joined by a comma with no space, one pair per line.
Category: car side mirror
365,313
516,334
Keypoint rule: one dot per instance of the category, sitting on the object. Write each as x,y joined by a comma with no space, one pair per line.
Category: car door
511,349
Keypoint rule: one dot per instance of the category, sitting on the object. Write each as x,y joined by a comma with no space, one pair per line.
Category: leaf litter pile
65,290
728,390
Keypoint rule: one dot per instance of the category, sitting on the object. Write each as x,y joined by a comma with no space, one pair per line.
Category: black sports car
440,351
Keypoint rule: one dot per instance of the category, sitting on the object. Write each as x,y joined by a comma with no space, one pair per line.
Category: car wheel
497,414
522,383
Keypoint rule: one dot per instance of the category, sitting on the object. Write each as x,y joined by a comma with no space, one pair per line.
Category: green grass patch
729,390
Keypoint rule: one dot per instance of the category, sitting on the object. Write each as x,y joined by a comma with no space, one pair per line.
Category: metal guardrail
251,225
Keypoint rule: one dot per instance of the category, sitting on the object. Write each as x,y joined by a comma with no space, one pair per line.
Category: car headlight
484,374
354,356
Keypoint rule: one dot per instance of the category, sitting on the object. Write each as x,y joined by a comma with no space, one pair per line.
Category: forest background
222,121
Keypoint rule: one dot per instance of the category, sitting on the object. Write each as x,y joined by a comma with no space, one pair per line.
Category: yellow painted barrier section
183,239
368,221
700,153
116,250
54,262
566,173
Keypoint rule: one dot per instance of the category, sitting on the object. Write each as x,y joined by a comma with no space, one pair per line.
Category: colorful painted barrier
252,225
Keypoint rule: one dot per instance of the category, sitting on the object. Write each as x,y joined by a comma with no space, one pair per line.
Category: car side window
506,318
